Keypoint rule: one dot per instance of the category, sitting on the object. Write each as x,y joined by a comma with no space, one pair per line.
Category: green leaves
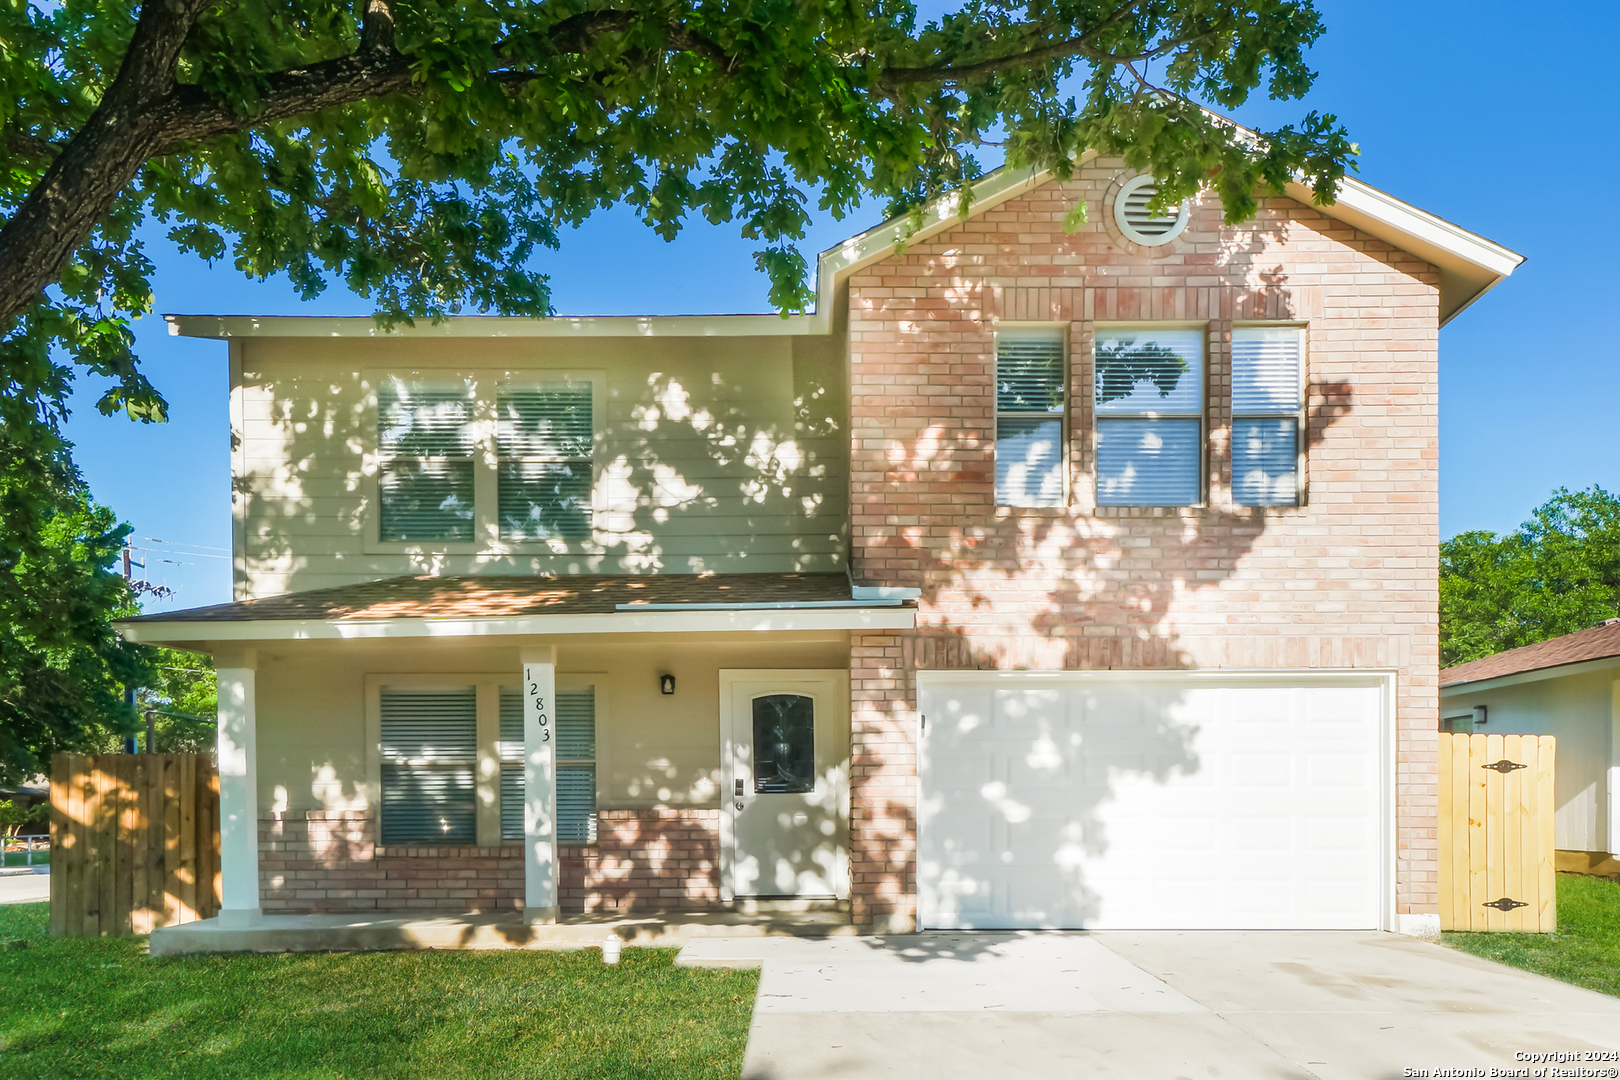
62,668
1558,573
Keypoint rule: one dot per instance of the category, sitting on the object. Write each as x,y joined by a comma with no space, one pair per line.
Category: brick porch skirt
321,861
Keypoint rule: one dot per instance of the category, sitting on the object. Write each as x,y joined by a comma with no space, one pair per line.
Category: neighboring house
1567,687
1039,578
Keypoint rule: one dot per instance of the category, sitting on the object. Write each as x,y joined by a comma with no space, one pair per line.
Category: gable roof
1598,643
1469,265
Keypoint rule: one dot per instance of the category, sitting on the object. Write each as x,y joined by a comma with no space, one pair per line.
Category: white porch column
238,790
539,785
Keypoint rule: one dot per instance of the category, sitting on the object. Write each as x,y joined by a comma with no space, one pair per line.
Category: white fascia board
623,622
1470,265
890,593
836,264
1522,677
495,326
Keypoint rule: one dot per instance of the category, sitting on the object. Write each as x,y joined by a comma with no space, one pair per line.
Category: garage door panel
1260,770
1130,805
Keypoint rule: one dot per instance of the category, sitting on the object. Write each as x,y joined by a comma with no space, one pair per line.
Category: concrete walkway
1357,1006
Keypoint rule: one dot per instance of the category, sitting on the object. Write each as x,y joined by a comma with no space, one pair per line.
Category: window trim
483,384
1063,331
487,773
1233,416
1104,330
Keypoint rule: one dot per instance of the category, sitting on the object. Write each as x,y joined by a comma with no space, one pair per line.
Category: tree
14,815
422,150
1558,573
180,694
62,667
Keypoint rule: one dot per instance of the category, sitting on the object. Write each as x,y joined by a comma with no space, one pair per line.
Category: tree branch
1084,46
120,136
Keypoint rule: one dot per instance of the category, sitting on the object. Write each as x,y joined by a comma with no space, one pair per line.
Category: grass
103,1008
1585,950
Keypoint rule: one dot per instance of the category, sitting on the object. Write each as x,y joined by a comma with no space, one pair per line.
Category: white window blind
576,765
429,753
1149,393
1030,380
1267,378
543,436
425,444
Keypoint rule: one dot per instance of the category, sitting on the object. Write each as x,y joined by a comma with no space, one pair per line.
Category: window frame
461,391
1298,414
563,684
487,771
1105,330
1061,331
483,386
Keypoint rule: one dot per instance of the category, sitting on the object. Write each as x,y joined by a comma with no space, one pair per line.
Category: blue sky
1466,109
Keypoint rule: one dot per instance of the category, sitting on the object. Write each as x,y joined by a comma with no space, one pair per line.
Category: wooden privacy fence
1496,833
134,842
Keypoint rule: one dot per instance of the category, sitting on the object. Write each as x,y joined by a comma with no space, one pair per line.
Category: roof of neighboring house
1469,265
485,596
1598,643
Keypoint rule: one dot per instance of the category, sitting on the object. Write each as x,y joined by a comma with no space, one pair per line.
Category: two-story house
1039,579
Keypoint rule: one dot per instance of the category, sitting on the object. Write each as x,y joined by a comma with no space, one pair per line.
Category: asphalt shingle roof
1598,643
485,596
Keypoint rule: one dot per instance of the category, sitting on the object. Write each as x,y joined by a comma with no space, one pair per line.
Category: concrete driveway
1358,1006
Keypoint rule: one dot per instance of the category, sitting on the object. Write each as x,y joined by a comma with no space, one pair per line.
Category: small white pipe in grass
611,947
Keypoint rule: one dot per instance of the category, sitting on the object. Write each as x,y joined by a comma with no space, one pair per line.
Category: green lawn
103,1008
1586,949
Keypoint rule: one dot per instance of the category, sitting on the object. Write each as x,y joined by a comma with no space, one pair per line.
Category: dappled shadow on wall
678,479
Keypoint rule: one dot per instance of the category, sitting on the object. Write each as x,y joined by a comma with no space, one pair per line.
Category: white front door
784,740
1104,801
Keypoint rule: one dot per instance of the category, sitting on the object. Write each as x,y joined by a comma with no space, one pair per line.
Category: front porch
462,762
351,932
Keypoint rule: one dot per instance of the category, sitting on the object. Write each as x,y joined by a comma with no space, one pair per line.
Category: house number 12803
540,708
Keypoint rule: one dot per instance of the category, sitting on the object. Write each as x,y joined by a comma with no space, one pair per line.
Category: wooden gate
134,842
1496,833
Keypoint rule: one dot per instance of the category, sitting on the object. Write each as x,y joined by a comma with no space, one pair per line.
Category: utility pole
129,691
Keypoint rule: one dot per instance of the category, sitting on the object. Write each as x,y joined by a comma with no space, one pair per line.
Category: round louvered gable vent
1138,223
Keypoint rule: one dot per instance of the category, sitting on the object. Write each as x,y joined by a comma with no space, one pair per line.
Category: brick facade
1345,581
650,860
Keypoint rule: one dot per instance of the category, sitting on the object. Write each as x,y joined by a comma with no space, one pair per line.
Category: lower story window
576,765
429,755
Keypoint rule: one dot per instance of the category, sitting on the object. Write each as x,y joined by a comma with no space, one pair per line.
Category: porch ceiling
485,605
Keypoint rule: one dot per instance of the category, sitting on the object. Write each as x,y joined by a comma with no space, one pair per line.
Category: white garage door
1076,801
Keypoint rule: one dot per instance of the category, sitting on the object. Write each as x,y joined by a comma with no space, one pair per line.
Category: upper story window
426,443
1149,394
543,439
482,459
1030,402
1268,366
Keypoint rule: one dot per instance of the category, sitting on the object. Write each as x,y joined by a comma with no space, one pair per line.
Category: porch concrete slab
395,930
1323,1005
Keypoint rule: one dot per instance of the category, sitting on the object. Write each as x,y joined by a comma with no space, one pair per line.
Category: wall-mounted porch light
666,684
